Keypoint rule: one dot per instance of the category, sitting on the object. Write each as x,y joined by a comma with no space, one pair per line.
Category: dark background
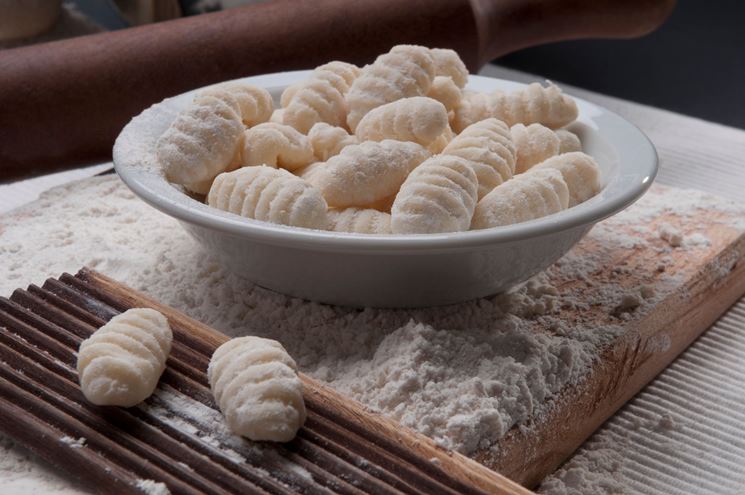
694,64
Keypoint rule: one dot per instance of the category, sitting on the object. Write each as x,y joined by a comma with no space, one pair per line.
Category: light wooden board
708,278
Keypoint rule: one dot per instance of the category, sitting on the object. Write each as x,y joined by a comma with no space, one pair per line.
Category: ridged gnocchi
367,172
257,388
438,196
445,91
581,174
327,140
276,145
533,104
568,141
418,119
533,144
405,71
201,142
253,104
359,220
398,146
487,145
320,98
269,194
526,197
121,362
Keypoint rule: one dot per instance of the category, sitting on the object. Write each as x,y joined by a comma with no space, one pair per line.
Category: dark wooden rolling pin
63,103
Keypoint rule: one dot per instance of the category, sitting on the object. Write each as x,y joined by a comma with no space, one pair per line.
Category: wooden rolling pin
63,103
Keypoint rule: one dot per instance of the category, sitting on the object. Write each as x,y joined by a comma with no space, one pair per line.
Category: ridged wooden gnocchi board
176,437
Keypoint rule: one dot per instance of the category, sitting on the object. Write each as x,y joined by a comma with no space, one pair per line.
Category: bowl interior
627,160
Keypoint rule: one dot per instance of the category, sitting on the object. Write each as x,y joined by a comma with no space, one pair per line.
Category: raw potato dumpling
448,63
487,145
438,196
201,142
405,71
446,92
359,220
534,144
526,197
276,145
253,104
365,173
320,98
256,386
327,140
581,174
121,362
269,194
418,119
568,141
533,104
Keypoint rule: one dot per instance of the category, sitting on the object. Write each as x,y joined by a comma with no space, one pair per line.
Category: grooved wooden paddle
175,437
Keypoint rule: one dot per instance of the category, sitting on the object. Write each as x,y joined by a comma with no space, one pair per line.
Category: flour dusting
463,374
150,487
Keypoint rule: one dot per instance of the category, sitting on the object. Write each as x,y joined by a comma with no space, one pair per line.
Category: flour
150,487
74,443
463,374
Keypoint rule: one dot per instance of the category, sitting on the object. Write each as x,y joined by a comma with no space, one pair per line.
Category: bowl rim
636,153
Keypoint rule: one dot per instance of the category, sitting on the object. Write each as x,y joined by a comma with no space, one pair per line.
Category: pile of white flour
463,374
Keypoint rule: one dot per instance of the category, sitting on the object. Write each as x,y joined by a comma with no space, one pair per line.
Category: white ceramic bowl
395,270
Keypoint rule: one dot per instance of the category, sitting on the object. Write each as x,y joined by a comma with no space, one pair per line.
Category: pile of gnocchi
396,147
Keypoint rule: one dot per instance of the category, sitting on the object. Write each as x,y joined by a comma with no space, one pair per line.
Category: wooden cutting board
701,282
175,437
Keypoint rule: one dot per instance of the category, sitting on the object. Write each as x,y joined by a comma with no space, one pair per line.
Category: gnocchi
488,147
269,194
276,145
257,388
327,140
526,197
530,105
568,141
253,104
405,71
449,64
365,173
121,362
445,91
438,196
359,220
581,174
533,144
418,119
201,142
320,98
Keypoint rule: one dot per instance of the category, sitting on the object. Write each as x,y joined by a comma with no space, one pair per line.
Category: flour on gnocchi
581,174
445,91
269,194
418,119
276,145
359,220
405,71
365,173
121,362
487,145
438,196
449,64
530,105
568,141
327,140
253,104
257,388
526,197
201,142
320,98
533,144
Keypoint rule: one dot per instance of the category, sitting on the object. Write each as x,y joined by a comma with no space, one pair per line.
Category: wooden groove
40,331
340,483
74,428
110,423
